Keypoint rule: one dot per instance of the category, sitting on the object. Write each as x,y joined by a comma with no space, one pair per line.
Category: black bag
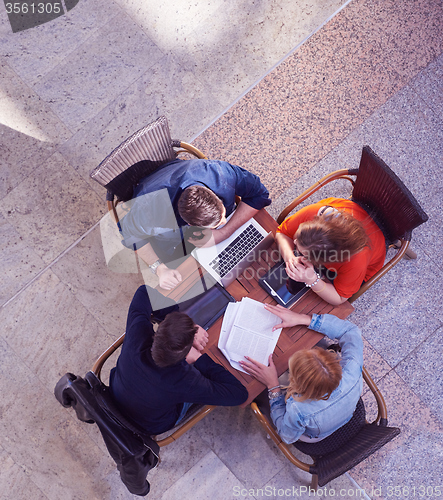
134,452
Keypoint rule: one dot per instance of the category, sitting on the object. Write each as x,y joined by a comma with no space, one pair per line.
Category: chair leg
314,482
409,254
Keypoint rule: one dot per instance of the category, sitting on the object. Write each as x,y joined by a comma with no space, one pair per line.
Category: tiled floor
72,89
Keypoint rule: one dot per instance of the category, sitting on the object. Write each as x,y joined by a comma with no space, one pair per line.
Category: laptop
229,258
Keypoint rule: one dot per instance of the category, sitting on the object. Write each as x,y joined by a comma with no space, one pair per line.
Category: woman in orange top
338,235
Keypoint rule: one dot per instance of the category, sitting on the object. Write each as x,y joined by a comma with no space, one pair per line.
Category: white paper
247,331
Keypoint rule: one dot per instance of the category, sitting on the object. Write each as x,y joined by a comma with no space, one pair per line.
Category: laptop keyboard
227,259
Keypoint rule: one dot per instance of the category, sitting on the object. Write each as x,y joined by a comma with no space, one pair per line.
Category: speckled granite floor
72,89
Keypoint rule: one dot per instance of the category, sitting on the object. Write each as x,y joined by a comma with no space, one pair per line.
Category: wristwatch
274,394
153,267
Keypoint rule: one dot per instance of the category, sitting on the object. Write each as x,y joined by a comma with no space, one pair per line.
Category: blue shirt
153,209
319,419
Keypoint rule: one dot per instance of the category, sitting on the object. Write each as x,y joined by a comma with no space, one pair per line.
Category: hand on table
168,278
289,318
267,375
200,339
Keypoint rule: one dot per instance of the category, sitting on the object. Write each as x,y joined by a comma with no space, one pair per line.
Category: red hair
313,374
332,238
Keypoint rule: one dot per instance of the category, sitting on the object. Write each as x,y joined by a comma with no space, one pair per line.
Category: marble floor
289,90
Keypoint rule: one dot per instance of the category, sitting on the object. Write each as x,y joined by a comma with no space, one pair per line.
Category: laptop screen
223,259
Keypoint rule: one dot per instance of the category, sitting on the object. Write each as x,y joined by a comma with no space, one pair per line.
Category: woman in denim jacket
323,389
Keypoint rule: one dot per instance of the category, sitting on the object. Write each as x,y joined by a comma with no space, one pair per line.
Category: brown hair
199,206
313,374
173,339
332,238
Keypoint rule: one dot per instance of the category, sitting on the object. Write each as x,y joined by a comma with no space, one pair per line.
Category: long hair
333,238
313,374
199,206
173,339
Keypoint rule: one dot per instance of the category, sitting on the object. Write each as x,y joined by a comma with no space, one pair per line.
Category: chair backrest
386,198
370,439
346,447
138,156
337,439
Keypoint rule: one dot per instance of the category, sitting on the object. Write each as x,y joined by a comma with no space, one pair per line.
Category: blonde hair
332,238
313,374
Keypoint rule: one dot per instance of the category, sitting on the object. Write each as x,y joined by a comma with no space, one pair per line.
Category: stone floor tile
33,53
40,437
29,130
96,73
104,293
60,461
52,208
21,263
15,483
418,370
292,482
335,160
237,438
65,337
413,458
428,85
338,91
169,88
373,361
169,24
208,478
237,57
178,460
393,318
348,77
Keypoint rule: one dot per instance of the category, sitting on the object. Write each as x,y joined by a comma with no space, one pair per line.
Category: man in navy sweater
160,374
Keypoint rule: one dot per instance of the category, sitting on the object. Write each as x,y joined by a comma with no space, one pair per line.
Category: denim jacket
319,419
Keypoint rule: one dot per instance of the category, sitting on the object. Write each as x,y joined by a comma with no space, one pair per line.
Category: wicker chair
386,199
134,451
138,156
342,450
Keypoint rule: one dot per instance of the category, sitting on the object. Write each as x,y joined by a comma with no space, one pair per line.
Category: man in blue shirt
158,375
188,192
